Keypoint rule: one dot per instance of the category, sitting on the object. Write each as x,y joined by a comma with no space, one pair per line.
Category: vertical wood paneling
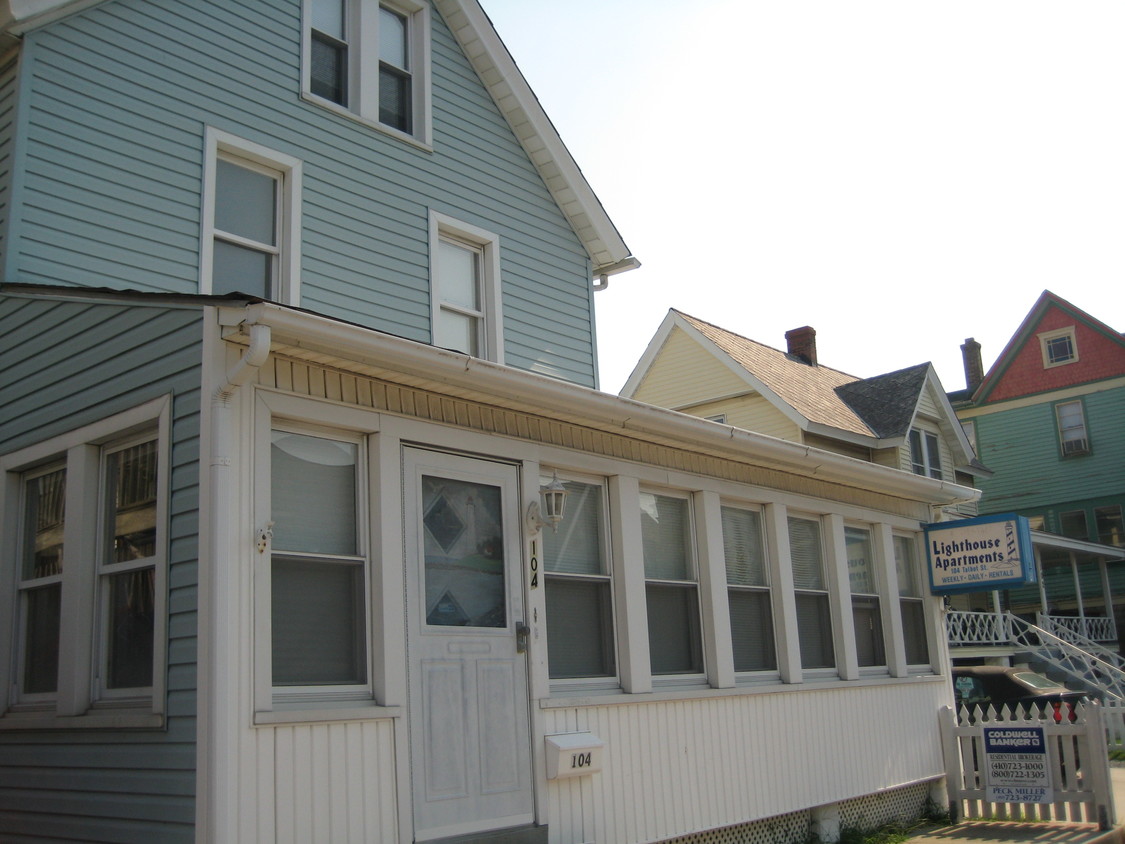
682,766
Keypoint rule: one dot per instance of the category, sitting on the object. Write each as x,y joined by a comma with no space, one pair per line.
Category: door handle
522,632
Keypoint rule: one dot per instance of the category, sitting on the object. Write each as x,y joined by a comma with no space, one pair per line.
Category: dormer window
925,454
1058,347
371,61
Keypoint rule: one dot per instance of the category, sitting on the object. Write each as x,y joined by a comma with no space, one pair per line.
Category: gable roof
875,412
498,72
1026,333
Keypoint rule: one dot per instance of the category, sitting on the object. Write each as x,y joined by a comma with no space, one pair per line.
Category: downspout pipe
223,591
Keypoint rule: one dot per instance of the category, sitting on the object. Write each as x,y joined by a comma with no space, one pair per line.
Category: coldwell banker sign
971,555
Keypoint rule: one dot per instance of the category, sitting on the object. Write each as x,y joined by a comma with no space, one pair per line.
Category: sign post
1016,769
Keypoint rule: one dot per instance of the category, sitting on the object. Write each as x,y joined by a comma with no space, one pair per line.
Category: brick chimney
802,344
974,369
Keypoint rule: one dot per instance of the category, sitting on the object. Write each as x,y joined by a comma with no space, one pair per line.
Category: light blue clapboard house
296,352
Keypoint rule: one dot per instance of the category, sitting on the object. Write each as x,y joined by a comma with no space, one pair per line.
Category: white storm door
470,748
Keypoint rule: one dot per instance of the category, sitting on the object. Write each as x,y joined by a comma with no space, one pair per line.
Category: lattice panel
900,805
782,829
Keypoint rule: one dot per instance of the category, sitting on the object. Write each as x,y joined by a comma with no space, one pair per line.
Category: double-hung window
748,590
465,288
251,238
370,59
1072,428
1110,525
88,519
671,587
925,453
810,585
866,615
580,641
911,603
318,570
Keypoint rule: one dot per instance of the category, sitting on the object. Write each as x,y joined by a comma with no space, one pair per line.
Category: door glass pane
464,554
44,507
914,632
131,495
237,269
868,624
130,638
319,621
814,624
313,491
245,202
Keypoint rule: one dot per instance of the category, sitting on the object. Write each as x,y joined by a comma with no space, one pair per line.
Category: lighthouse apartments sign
973,555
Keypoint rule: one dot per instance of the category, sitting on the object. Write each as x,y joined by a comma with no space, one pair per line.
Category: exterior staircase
1062,650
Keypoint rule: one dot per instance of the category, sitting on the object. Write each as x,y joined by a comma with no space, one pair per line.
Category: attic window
925,454
1058,347
370,60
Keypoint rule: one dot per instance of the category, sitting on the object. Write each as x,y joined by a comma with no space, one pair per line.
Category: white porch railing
964,628
1097,628
1073,634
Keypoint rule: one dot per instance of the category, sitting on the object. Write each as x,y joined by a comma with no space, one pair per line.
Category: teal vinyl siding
86,362
8,79
1021,446
119,95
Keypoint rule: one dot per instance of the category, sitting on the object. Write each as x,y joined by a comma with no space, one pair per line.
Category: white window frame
917,597
490,340
81,699
925,437
292,704
824,592
765,588
694,583
362,39
286,287
608,681
1082,445
1045,341
877,582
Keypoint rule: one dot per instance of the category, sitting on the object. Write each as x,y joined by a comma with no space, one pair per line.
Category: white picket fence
1077,762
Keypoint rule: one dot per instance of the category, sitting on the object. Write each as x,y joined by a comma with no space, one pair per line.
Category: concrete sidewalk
1053,832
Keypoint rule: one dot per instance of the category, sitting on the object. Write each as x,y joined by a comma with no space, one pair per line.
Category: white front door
470,749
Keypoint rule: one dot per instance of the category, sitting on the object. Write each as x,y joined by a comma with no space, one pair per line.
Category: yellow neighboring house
901,419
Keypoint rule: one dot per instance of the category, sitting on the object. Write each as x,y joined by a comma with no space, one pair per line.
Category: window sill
348,114
324,715
100,719
820,684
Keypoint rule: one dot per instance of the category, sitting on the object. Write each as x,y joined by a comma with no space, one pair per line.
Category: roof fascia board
347,342
533,128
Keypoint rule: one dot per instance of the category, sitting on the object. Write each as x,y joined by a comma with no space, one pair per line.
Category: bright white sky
898,174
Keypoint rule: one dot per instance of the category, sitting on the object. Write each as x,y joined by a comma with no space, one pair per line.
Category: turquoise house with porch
296,325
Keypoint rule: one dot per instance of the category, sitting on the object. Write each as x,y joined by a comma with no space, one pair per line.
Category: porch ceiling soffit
1054,542
320,340
498,71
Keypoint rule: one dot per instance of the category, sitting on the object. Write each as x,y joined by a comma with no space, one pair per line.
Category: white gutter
549,395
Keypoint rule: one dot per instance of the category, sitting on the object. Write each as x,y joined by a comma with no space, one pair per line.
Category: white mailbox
573,755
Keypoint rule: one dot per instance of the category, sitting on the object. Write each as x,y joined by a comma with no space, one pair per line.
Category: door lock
522,632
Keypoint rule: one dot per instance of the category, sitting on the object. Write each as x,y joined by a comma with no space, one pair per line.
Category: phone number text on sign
1016,765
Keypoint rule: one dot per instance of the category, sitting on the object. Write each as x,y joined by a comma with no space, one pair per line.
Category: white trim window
675,633
810,585
1059,347
748,590
319,629
911,601
87,524
1071,419
580,640
371,60
251,220
465,288
867,616
925,453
